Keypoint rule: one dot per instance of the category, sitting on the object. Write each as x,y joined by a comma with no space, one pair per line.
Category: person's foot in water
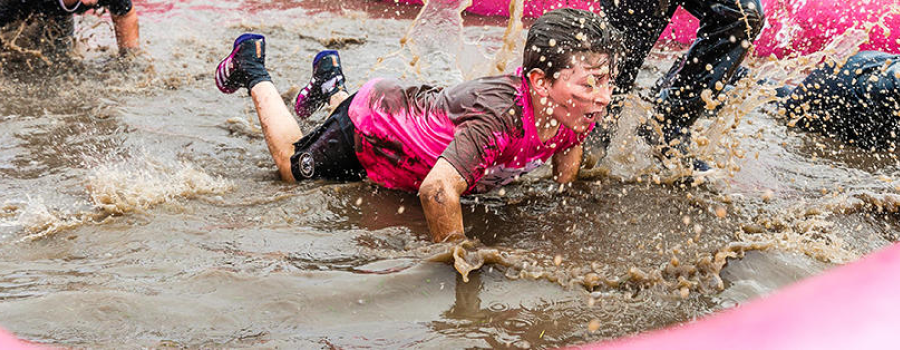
245,66
669,146
327,80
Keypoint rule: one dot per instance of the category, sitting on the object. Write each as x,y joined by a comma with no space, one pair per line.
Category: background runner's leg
727,27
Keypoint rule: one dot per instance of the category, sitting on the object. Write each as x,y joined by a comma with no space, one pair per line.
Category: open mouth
592,116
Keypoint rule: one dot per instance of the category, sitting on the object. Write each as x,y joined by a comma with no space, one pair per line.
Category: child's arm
127,32
439,193
566,164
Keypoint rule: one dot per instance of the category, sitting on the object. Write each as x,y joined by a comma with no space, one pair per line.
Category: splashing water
436,40
114,189
125,187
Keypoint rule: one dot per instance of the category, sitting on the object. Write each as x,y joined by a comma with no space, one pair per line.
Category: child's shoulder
496,91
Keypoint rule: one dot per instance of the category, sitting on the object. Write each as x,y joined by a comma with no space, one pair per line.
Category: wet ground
140,207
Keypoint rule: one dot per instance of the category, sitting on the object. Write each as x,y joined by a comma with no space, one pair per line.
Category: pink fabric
9,341
851,307
807,26
399,147
792,26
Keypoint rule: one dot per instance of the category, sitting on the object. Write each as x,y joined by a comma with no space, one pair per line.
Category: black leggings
724,24
858,104
328,152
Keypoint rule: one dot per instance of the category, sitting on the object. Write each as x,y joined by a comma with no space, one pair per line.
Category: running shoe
668,146
245,66
327,80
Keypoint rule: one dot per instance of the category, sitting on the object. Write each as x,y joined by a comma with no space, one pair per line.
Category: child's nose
603,95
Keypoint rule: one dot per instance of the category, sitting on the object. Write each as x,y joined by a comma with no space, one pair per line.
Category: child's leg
245,68
278,125
336,99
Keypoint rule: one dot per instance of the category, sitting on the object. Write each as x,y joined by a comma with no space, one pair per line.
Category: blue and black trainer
327,80
245,66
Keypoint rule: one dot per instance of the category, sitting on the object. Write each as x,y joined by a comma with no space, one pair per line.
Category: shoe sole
223,69
301,112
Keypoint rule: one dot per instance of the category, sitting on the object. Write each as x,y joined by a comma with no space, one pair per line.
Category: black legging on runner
859,103
16,10
725,25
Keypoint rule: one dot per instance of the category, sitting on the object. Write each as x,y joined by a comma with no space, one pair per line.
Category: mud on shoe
245,66
668,147
327,80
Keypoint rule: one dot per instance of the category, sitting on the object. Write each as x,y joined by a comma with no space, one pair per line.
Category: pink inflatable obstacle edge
792,26
856,306
9,342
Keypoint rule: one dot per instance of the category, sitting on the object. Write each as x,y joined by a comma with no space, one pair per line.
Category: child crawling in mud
441,142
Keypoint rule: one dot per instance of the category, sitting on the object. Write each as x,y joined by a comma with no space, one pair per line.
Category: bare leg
278,125
336,99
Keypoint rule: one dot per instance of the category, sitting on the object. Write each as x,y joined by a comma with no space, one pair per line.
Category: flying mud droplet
594,325
359,201
401,210
557,260
721,212
767,196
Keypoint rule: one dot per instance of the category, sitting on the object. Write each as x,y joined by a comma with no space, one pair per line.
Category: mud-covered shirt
15,10
484,128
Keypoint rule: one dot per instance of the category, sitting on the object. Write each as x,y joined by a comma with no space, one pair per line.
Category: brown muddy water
140,207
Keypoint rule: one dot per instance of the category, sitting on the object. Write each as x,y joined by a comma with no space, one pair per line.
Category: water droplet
721,212
594,325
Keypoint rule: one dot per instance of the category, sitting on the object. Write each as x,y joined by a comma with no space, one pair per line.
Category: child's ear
539,82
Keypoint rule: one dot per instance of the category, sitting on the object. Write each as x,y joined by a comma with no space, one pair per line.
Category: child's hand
456,237
466,258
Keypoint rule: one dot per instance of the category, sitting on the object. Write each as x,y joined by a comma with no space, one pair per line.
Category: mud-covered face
578,96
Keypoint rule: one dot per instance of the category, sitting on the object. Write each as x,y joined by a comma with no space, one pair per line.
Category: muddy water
140,208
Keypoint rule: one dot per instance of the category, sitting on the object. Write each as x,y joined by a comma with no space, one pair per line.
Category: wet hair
560,34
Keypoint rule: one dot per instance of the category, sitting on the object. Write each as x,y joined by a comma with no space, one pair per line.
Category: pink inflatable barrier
792,26
855,306
9,342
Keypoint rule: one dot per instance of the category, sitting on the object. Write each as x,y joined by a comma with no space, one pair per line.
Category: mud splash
125,187
436,40
114,188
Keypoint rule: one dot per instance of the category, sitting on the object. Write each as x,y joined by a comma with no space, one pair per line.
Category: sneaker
668,146
327,80
245,66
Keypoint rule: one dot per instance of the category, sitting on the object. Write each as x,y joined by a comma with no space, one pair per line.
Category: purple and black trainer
327,80
245,66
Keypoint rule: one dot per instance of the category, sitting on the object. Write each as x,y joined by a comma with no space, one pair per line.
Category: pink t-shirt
484,128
